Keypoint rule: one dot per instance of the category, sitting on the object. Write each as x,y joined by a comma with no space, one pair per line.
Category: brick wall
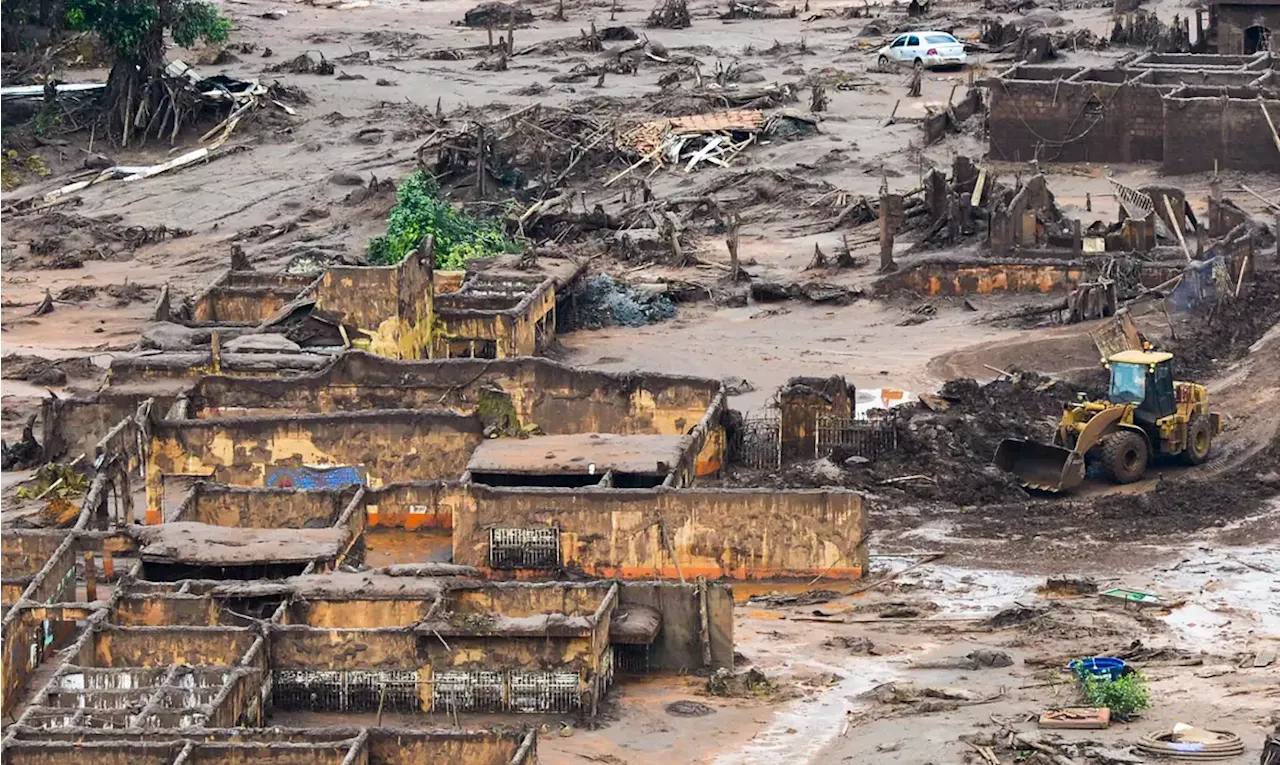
1234,19
1233,131
1105,122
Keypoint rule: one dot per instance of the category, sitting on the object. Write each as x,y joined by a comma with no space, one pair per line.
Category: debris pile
607,302
687,141
530,152
944,448
1143,29
496,15
670,14
26,453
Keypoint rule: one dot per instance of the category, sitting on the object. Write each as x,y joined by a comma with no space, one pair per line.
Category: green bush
126,26
1124,697
419,212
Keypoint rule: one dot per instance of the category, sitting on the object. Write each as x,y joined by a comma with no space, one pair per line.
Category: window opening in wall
631,659
637,480
524,548
1093,108
1257,39
558,480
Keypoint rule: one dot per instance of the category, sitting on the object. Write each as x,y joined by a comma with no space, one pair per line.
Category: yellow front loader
1146,413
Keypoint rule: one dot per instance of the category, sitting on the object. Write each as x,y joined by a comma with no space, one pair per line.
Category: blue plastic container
1099,666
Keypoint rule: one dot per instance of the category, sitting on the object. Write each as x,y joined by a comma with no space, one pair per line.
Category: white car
923,50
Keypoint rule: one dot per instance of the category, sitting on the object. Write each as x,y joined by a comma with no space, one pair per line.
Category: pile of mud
943,455
1229,328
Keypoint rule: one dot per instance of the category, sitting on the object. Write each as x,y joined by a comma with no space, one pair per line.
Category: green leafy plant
130,27
1124,696
420,212
55,481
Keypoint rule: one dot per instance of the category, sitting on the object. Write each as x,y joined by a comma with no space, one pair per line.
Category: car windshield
1128,383
935,39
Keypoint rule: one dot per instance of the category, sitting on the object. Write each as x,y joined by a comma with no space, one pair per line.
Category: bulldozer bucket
1041,466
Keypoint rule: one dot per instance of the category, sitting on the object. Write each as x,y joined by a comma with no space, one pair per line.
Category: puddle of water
1232,596
802,730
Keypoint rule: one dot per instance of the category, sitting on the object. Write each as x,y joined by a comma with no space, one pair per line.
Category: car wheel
919,64
883,64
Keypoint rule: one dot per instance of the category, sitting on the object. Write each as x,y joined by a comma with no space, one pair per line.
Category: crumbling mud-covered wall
166,375
278,746
241,305
1225,126
1235,18
114,646
372,448
800,402
245,297
495,326
393,305
958,278
1074,114
634,533
74,426
526,648
678,645
263,508
558,398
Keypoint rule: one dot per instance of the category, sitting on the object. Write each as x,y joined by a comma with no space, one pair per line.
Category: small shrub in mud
1125,696
420,212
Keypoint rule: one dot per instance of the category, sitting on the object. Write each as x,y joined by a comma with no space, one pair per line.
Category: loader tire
1199,440
1124,456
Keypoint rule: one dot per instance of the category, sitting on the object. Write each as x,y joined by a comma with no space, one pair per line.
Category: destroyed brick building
1190,112
1240,26
244,599
405,311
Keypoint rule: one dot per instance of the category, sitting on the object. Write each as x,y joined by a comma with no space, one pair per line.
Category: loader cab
1144,378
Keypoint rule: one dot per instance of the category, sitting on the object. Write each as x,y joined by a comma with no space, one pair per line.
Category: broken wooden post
480,161
90,577
936,194
215,352
46,305
953,218
914,90
818,98
893,113
890,215
108,565
704,612
1077,239
731,241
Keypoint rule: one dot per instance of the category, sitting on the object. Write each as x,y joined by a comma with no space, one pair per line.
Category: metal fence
347,690
848,437
524,548
762,441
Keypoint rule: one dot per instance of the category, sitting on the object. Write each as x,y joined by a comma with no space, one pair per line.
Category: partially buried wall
1222,127
393,305
634,533
372,448
558,398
